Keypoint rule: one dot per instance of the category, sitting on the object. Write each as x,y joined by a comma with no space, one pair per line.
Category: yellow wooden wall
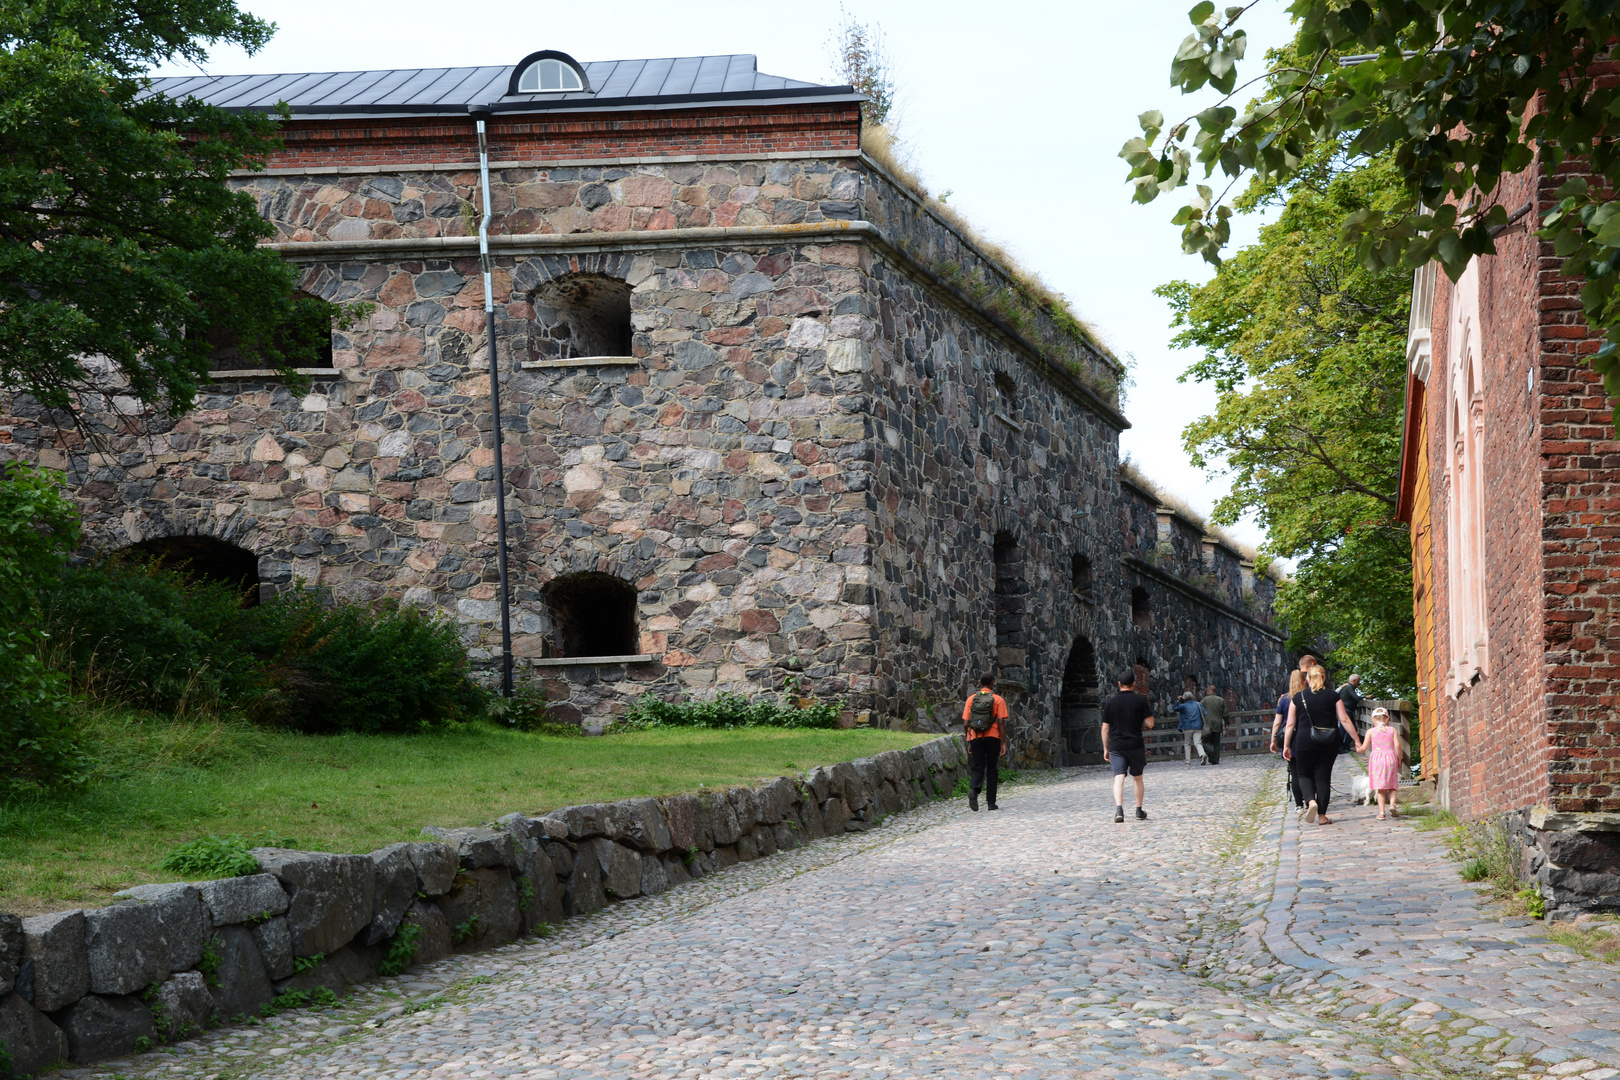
1428,668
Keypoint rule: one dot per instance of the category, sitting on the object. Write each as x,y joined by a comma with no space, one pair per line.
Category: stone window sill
581,361
268,373
1009,421
591,661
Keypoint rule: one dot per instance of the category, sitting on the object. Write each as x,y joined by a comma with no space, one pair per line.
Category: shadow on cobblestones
1039,941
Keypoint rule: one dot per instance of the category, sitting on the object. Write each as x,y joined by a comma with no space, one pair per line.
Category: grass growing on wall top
163,782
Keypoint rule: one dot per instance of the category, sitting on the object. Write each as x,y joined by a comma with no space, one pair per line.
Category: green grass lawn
165,782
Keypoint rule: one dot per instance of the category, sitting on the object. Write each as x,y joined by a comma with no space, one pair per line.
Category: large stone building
1510,480
774,421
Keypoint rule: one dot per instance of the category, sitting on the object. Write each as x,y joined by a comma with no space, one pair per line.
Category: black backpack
982,712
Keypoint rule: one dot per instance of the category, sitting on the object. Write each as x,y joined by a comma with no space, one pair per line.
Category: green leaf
1200,11
1151,121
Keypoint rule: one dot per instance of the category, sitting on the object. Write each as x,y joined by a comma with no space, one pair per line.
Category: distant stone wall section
165,961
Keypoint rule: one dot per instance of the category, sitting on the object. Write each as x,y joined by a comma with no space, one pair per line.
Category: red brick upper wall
701,132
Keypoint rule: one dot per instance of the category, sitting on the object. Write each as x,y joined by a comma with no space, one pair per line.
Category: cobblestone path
1039,941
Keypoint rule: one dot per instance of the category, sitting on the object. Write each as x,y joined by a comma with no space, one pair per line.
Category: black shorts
1133,758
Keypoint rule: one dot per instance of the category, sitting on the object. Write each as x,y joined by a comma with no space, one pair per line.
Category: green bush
39,743
727,711
347,667
145,632
525,710
39,528
152,636
211,857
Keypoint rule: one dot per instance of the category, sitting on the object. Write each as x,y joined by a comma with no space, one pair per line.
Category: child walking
1384,761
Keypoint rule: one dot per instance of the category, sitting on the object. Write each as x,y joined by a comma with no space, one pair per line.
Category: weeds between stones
401,951
1489,859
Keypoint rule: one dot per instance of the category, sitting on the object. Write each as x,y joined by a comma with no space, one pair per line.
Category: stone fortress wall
768,406
166,961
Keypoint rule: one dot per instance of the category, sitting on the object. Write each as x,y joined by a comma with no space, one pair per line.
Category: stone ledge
1542,817
1009,421
581,361
584,661
270,373
1193,592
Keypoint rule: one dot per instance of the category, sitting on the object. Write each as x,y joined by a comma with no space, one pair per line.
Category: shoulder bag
1321,737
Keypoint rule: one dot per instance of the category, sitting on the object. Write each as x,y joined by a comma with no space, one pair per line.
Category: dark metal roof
428,91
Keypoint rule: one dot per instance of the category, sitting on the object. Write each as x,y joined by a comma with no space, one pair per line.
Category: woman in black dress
1315,717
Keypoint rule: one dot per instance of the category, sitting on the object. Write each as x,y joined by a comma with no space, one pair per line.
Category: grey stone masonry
774,410
56,958
163,961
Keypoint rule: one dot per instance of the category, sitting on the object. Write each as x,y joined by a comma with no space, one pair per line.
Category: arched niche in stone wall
204,558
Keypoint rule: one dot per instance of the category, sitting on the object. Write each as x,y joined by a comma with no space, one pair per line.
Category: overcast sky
1018,108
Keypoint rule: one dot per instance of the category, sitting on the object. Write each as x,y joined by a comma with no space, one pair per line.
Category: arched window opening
1082,705
549,76
306,336
1080,575
1141,608
582,315
1010,592
203,558
593,614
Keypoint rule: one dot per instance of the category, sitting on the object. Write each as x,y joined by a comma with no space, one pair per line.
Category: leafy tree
1458,93
38,528
119,238
861,59
1306,350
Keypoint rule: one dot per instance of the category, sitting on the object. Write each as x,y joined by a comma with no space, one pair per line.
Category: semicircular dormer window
549,76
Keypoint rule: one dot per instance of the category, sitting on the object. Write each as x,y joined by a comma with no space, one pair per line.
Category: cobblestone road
1043,940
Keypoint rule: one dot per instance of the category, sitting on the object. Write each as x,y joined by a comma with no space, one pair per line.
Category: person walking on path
984,720
1350,694
1214,725
1315,717
1296,683
1384,760
1124,717
1191,726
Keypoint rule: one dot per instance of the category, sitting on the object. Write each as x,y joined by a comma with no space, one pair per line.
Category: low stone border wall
164,961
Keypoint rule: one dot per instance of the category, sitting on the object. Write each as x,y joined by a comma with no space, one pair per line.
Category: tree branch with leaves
1457,95
123,250
1305,349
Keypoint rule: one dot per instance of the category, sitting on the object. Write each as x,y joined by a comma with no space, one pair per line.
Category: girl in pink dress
1384,760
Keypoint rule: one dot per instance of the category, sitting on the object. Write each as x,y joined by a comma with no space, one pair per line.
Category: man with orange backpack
984,721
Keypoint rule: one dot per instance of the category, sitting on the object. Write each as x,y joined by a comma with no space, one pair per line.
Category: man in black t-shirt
1124,717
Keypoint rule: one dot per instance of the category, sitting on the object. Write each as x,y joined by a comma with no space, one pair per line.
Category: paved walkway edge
1284,835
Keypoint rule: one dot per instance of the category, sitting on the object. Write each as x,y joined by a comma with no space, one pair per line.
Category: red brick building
1511,480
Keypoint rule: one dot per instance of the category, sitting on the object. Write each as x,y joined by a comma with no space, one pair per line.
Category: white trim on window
549,76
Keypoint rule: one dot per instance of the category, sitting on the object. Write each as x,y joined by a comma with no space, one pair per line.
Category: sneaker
1141,814
1119,814
1310,812
973,801
992,806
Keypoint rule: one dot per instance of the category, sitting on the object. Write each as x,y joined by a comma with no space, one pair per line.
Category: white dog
1360,791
